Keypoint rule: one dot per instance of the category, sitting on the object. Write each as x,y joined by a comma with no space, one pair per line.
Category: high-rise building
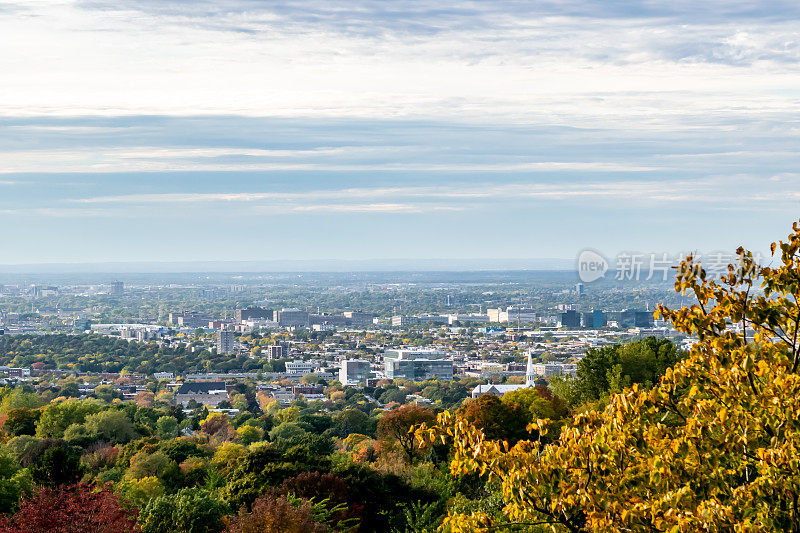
354,372
594,319
117,288
225,341
635,318
570,319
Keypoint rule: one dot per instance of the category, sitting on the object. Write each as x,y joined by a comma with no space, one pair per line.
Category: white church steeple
530,377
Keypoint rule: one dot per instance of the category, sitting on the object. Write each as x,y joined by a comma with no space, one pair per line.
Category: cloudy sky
157,130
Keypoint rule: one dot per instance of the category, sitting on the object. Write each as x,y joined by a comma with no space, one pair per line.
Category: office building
291,318
354,372
186,319
358,318
417,365
252,313
570,319
117,288
594,319
635,318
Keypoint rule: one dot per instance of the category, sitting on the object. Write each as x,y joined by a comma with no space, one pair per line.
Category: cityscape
408,266
357,347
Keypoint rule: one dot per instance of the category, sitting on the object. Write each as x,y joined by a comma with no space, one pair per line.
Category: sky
158,130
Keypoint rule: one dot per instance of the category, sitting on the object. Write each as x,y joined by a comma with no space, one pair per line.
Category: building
467,319
209,393
327,320
500,390
276,351
570,319
512,314
358,318
414,353
291,318
594,319
117,288
635,318
299,367
189,320
354,372
419,369
494,390
252,313
417,365
225,341
546,370
16,372
402,320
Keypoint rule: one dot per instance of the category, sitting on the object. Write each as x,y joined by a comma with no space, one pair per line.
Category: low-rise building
209,393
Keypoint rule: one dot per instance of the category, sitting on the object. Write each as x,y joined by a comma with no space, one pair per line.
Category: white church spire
530,377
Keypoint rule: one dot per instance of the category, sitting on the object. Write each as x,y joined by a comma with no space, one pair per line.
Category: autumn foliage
714,446
276,515
75,509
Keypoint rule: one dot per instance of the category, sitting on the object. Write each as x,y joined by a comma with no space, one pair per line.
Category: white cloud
550,62
158,159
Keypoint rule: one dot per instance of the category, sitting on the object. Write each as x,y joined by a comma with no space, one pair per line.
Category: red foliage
75,509
317,487
275,515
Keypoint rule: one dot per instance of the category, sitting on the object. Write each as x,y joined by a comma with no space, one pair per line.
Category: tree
249,434
395,427
70,510
14,482
497,419
188,511
351,421
167,427
713,446
57,417
276,515
53,462
105,393
112,426
22,421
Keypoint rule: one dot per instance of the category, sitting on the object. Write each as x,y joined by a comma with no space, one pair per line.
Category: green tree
22,421
167,427
57,417
187,511
112,426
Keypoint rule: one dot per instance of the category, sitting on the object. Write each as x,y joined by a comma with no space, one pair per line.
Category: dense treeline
341,464
100,353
